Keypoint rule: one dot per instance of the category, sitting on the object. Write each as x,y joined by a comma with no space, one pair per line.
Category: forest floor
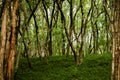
94,67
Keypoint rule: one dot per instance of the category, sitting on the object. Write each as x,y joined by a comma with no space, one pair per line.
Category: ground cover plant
94,67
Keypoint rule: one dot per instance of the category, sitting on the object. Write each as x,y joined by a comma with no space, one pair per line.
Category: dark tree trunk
50,26
63,20
63,42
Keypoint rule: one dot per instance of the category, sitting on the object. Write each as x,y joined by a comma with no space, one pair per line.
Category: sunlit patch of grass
94,67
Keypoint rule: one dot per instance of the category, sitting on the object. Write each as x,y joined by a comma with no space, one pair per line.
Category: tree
10,67
49,22
116,39
8,44
5,19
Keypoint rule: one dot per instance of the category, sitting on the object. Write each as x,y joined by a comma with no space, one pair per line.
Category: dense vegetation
94,67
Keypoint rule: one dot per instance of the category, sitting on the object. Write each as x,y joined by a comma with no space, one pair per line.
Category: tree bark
116,40
3,38
10,69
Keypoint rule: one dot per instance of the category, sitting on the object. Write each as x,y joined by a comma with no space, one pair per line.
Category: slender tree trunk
63,42
96,39
50,42
50,26
17,60
71,25
68,49
63,20
106,25
83,31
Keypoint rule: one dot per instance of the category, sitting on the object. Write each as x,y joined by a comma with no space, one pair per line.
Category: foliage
96,21
94,67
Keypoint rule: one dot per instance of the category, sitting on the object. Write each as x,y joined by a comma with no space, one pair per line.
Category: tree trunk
3,45
96,39
63,21
68,49
7,49
63,42
116,40
106,26
10,69
50,26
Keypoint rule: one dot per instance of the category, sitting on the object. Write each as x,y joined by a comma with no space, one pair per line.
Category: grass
94,67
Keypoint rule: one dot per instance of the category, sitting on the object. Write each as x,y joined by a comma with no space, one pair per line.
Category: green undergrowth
94,67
